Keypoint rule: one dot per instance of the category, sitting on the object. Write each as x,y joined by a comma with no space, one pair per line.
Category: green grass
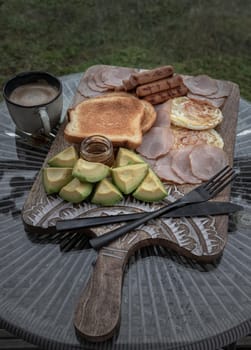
211,37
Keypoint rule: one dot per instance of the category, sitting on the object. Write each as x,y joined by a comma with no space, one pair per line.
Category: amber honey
97,148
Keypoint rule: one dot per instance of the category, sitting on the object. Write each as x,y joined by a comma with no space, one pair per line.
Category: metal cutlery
202,193
196,209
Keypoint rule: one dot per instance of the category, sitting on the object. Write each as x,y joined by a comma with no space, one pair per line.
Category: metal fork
200,194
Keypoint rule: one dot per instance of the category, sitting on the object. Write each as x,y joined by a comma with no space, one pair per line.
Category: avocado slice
151,189
127,157
66,158
76,191
55,178
127,178
90,171
106,193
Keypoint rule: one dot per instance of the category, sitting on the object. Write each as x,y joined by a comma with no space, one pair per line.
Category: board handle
97,314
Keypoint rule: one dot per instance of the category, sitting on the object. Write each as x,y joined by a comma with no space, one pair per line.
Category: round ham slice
181,165
216,102
150,162
108,77
84,88
114,76
164,169
92,83
201,85
163,111
207,160
222,91
156,142
98,77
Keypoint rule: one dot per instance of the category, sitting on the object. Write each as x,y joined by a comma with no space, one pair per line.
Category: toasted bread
149,112
150,116
117,117
116,93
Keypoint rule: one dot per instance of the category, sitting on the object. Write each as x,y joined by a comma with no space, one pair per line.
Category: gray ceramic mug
34,101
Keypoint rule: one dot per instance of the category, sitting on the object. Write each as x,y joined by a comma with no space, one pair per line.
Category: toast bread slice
117,117
150,116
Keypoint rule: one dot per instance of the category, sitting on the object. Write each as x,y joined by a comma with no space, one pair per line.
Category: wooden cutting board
98,311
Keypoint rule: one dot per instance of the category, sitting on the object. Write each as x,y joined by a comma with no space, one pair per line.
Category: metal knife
199,209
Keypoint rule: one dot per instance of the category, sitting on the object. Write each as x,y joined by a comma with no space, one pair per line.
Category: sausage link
163,96
159,85
128,85
152,75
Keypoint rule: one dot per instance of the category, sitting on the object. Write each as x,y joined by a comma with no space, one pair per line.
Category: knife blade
198,209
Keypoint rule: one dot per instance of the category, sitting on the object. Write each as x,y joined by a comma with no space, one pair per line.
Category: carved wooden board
201,238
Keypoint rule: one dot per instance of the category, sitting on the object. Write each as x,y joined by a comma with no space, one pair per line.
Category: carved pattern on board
196,235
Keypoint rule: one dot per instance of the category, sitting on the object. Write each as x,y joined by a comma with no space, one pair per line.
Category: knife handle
97,314
110,236
74,224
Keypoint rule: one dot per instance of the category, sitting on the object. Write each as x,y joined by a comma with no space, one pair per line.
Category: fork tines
219,181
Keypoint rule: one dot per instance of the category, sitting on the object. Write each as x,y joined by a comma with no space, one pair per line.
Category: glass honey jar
97,148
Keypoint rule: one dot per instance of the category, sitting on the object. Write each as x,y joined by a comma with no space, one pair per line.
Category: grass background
61,37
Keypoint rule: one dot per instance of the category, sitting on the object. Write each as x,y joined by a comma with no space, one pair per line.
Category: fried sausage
151,75
128,85
159,85
163,96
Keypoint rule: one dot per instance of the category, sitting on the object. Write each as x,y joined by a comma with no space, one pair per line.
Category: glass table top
168,301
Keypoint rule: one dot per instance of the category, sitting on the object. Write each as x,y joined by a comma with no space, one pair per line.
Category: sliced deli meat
223,90
163,168
201,85
92,79
102,78
93,86
156,142
207,160
97,77
85,90
150,162
84,87
114,76
216,102
163,111
181,165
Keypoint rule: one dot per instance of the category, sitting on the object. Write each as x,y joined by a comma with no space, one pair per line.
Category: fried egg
185,137
194,114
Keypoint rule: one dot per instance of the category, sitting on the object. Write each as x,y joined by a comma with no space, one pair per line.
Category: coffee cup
34,101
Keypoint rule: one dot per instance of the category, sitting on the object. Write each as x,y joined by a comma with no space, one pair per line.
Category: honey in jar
97,148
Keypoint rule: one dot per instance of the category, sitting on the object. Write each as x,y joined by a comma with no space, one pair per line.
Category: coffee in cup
34,101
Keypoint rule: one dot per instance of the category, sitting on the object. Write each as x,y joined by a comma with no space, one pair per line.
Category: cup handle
45,120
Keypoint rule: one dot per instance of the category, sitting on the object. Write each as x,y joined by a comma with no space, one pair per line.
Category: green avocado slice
55,178
127,157
90,171
66,158
76,191
127,178
106,194
151,189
